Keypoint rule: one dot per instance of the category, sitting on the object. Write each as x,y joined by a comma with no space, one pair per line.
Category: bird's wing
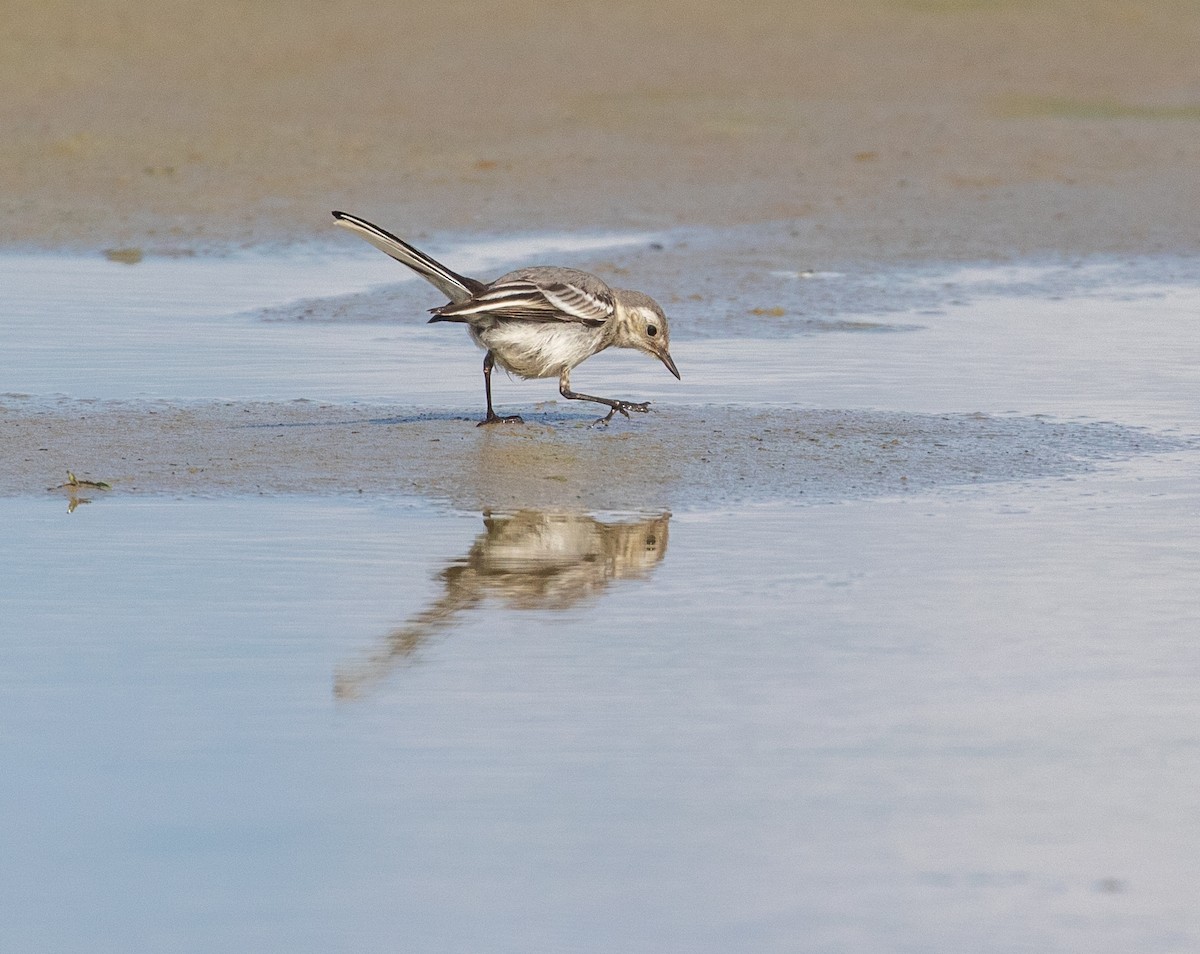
522,299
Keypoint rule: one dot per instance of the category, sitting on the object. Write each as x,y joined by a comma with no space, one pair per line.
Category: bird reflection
527,560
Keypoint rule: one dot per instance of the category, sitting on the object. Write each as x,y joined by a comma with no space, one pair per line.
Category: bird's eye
651,330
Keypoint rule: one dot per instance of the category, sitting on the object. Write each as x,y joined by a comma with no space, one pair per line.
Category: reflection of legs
564,388
492,416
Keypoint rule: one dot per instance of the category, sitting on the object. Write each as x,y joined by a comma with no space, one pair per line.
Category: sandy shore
880,130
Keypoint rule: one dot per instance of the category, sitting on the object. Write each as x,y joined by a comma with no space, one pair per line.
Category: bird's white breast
539,350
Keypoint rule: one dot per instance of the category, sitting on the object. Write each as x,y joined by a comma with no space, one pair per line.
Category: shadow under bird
537,322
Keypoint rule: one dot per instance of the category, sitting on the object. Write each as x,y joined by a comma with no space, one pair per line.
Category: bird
536,322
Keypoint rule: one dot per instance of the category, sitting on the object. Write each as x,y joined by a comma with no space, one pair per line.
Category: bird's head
643,325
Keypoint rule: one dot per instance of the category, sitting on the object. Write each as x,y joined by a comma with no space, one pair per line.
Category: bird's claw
624,407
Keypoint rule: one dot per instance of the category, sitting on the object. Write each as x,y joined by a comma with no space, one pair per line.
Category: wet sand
893,129
676,458
981,376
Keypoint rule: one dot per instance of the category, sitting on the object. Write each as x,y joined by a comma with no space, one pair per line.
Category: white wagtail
537,322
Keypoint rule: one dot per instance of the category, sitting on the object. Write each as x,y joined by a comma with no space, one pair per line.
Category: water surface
952,712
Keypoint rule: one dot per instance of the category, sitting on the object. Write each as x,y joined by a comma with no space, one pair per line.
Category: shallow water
1109,341
292,724
956,718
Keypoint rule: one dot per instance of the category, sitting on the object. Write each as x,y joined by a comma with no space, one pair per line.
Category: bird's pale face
645,328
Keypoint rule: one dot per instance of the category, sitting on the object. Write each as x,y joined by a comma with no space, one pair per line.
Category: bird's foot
494,418
624,407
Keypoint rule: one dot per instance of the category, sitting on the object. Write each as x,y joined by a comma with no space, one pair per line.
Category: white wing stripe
510,290
529,301
577,302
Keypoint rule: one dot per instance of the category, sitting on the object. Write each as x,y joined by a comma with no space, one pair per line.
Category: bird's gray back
558,275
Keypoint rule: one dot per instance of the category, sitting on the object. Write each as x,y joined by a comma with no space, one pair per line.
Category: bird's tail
456,287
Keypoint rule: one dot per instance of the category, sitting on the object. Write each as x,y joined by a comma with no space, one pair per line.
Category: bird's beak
665,357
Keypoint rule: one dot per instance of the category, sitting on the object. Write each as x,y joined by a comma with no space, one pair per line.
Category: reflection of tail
402,643
456,287
527,561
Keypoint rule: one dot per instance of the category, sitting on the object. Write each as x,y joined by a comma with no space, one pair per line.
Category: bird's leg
492,417
564,388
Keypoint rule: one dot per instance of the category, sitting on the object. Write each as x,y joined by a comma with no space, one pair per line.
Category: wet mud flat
675,457
321,630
